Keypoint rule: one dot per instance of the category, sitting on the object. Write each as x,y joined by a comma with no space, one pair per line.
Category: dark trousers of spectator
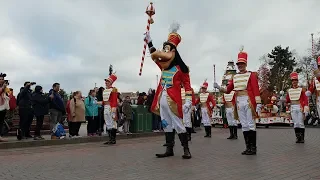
26,117
100,122
92,124
39,125
2,116
74,128
155,122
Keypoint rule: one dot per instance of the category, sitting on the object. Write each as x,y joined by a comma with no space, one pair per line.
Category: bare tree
304,69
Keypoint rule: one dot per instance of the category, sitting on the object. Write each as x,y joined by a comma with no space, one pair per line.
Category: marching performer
193,111
315,86
207,104
167,101
186,114
229,103
110,104
299,108
248,101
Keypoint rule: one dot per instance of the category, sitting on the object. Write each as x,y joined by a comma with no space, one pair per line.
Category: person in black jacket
101,121
40,106
25,111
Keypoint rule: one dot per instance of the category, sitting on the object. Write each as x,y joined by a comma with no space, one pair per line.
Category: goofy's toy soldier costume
110,104
207,102
299,108
248,101
168,101
230,105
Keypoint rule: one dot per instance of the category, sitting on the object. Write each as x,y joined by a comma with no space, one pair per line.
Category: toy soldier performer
229,103
110,104
186,115
207,102
299,108
315,86
167,101
248,101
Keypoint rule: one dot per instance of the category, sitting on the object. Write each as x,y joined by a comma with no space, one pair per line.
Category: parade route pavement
279,157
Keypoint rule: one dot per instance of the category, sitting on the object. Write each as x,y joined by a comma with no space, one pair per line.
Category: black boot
235,132
169,142
189,131
206,131
231,132
302,135
165,136
173,142
192,130
252,143
110,137
246,140
297,133
209,129
184,143
114,136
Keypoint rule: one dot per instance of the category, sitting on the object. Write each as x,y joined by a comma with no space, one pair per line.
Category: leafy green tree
282,62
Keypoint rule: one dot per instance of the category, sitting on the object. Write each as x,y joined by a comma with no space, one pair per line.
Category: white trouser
174,122
206,120
110,122
297,116
230,117
245,114
187,119
318,105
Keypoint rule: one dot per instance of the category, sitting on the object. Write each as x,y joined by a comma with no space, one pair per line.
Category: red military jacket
252,88
303,99
171,80
229,98
315,84
110,97
207,98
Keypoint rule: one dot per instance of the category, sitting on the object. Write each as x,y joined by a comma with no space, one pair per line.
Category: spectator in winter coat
101,110
77,111
91,112
56,108
40,104
25,111
127,113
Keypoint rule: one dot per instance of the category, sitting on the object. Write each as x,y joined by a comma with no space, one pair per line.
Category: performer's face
108,84
294,83
203,89
165,56
242,66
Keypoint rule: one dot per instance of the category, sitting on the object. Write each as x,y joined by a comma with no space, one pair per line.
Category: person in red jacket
314,87
229,101
207,104
299,107
110,103
248,101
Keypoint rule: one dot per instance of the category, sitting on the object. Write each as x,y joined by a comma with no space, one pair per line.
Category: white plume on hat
174,27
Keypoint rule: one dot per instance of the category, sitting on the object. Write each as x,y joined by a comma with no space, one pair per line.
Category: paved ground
133,159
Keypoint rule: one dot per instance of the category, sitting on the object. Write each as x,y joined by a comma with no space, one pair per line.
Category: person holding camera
25,111
4,103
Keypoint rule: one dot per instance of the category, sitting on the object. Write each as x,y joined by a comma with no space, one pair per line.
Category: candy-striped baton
150,12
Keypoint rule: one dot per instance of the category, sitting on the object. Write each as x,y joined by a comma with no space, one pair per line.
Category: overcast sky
74,41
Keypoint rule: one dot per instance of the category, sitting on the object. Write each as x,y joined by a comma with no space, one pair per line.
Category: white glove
113,115
258,108
147,37
216,85
314,65
308,93
306,114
